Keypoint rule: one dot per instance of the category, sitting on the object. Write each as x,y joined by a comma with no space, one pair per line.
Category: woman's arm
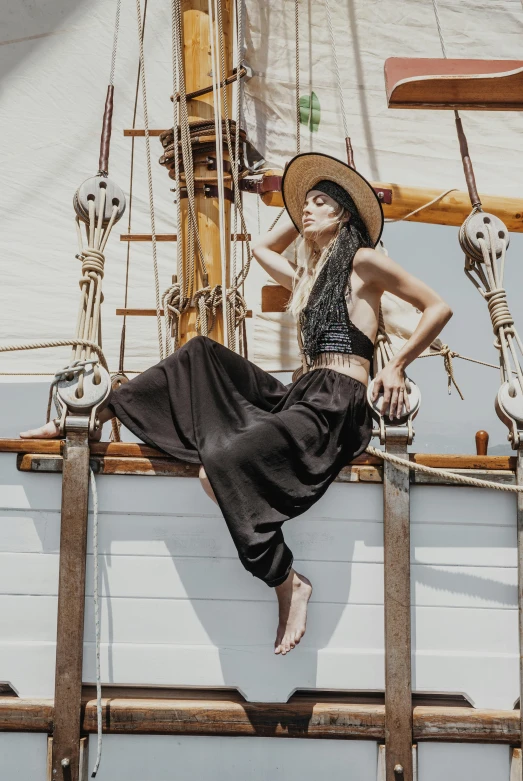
267,251
388,275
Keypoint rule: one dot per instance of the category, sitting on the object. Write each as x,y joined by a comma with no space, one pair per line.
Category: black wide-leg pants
270,450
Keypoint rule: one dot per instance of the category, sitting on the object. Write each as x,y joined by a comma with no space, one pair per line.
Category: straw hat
306,170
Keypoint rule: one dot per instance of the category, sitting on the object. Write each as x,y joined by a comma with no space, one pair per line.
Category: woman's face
319,214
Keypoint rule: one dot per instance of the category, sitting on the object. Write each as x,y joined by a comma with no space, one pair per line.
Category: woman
269,451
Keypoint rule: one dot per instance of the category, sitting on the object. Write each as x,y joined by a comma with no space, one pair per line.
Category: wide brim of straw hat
307,169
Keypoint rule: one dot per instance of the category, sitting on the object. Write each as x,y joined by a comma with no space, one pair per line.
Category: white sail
414,147
55,68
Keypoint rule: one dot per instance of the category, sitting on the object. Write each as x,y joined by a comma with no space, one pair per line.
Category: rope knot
447,355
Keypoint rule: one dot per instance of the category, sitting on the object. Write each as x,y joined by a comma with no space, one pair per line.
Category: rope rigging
184,146
149,177
484,239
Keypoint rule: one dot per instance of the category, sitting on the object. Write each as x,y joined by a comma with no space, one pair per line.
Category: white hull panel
178,608
165,758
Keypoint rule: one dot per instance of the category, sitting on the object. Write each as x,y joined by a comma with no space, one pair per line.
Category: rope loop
93,261
499,310
447,355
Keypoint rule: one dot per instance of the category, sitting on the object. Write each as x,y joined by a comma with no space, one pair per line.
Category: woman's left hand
391,381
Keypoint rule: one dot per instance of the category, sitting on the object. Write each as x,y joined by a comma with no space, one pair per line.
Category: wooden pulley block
91,190
414,398
118,380
481,226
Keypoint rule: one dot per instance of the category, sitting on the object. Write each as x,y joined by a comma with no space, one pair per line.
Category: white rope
172,316
149,178
7,348
236,308
337,68
424,206
216,79
444,473
115,40
297,55
94,494
438,24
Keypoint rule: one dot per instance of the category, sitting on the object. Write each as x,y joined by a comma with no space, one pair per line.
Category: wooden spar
197,62
519,479
311,717
453,209
425,83
71,601
398,694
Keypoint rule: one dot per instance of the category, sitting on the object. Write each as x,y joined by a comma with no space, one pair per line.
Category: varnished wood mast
198,74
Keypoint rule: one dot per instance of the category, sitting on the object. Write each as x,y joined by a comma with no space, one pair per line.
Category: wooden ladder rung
130,312
170,237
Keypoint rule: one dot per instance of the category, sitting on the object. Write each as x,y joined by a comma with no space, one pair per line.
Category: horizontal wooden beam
167,467
304,717
169,236
137,132
450,210
474,85
134,312
136,450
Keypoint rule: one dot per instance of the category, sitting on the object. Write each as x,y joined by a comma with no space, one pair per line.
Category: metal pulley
414,398
82,390
106,195
481,226
406,415
509,409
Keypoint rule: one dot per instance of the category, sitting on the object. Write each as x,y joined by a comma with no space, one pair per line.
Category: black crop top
325,323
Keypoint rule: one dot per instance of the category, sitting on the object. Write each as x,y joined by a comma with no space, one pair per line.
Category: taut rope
447,475
149,178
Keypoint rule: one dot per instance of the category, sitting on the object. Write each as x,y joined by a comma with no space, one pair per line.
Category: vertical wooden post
519,480
71,599
398,695
198,70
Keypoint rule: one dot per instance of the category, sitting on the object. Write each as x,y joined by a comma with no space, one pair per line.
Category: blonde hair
310,263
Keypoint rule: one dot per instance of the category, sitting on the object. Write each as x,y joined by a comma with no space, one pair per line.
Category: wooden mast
198,74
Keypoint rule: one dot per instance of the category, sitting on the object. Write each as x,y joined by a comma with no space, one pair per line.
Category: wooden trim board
303,718
128,450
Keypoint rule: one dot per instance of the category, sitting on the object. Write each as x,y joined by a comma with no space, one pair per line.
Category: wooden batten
426,83
299,718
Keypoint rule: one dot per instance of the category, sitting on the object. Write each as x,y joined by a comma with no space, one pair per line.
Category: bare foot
48,431
293,597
